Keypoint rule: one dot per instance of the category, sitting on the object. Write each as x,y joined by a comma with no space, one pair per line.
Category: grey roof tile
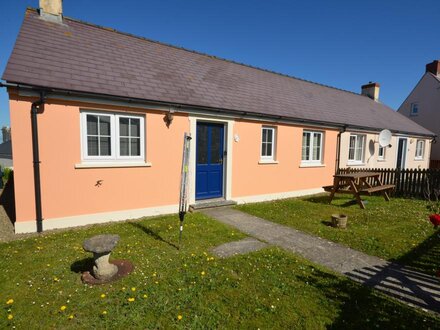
82,57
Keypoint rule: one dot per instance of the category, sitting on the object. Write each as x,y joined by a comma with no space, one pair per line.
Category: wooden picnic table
357,184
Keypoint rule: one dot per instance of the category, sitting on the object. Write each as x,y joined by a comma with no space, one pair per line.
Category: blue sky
339,43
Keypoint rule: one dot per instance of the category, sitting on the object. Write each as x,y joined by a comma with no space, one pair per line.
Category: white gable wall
427,95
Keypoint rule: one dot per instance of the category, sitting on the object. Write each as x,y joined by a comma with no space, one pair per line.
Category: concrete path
409,286
242,246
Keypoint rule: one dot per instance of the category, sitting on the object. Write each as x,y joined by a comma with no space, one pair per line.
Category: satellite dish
384,138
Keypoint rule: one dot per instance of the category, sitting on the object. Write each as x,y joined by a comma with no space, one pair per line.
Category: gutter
338,148
190,108
37,108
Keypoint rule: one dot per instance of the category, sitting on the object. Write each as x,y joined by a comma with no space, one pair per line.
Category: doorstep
211,203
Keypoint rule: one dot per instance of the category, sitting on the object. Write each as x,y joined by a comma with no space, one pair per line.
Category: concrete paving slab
238,247
409,286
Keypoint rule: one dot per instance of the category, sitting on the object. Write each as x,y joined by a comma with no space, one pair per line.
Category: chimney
371,90
6,132
433,67
51,10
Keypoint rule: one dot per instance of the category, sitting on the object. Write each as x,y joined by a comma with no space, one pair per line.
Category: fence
408,182
434,163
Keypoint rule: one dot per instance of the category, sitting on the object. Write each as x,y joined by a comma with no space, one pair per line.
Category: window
109,137
268,143
381,154
420,149
414,109
312,147
356,148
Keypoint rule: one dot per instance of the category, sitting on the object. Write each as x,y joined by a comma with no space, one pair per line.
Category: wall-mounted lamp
168,118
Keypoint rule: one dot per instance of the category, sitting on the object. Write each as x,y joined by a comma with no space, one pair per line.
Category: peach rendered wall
68,191
251,178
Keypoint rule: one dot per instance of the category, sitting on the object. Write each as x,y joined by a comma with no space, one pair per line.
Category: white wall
427,95
371,150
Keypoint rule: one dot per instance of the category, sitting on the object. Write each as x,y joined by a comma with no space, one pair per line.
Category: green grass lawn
398,230
187,289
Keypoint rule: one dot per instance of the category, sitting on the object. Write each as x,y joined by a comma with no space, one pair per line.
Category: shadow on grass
82,265
359,307
152,233
337,201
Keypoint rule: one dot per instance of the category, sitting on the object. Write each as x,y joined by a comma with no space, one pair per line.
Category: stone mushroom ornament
101,246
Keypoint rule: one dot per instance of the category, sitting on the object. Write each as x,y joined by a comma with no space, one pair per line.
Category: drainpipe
37,107
338,148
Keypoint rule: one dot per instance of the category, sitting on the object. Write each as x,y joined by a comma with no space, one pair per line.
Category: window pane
135,127
351,147
123,146
92,125
202,144
264,135
316,146
123,126
269,135
135,147
104,125
92,146
306,146
216,141
105,146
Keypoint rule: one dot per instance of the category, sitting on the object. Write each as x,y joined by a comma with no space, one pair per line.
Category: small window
414,109
420,149
312,147
267,143
356,148
381,154
110,137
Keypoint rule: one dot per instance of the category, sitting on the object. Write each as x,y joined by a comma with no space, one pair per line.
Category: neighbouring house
99,116
6,148
423,103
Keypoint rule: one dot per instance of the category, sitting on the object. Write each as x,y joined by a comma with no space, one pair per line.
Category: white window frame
274,141
420,152
358,138
414,105
384,152
312,136
114,131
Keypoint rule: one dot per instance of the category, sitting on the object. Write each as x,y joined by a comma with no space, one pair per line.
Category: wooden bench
381,188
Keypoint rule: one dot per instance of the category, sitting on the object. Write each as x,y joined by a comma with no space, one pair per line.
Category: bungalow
98,119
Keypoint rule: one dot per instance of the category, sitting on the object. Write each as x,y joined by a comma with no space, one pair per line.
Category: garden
191,288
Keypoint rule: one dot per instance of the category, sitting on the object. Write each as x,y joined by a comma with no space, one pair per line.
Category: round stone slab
101,243
125,267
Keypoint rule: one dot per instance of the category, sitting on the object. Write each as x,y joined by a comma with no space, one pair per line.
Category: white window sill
418,159
312,165
355,164
268,161
382,160
112,165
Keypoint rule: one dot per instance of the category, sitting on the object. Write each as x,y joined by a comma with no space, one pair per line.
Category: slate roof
82,57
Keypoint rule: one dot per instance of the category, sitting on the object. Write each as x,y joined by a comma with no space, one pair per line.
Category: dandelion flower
133,289
70,317
203,273
145,296
179,317
63,308
10,316
103,295
10,302
104,312
130,299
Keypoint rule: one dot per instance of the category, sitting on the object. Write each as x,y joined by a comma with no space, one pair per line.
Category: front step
210,204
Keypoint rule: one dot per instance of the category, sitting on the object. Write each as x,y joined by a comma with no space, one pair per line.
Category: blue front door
209,160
